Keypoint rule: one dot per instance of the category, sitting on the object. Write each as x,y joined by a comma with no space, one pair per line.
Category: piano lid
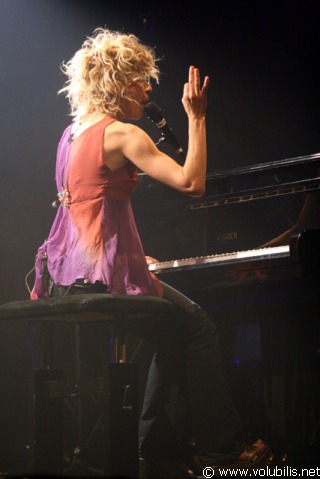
299,175
292,176
272,167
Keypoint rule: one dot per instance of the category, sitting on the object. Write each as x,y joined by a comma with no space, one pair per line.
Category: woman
94,245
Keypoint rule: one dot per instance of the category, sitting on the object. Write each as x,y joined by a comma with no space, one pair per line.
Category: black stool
115,390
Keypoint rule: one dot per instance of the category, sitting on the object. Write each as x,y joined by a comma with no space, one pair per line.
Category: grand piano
242,209
248,252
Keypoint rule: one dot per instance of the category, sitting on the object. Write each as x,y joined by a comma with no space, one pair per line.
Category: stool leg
120,349
78,373
82,441
120,339
47,426
44,345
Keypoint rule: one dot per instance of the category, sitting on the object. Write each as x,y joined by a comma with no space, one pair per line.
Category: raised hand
194,97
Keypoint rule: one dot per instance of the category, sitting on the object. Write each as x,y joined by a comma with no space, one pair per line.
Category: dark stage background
264,99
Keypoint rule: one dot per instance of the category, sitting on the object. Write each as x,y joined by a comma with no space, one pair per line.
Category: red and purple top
94,235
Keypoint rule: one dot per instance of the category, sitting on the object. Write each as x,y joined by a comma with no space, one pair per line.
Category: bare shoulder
116,136
119,128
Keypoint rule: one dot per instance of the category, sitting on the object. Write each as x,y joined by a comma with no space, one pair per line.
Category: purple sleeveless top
94,235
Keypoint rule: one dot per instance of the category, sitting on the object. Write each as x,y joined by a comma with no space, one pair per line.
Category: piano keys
223,259
298,259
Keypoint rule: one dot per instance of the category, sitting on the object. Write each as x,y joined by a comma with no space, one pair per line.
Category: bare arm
139,148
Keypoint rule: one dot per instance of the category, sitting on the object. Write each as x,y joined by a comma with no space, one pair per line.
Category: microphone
154,112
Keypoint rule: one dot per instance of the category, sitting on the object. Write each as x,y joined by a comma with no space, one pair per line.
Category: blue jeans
187,396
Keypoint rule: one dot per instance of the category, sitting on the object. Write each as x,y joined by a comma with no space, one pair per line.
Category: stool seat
87,307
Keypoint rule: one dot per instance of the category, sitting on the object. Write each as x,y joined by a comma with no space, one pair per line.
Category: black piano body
265,299
242,209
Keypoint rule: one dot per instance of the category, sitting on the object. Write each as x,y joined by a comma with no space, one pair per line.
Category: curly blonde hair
99,74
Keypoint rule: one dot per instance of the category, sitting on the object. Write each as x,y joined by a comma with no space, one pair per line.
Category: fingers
195,79
151,260
194,97
194,82
206,82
